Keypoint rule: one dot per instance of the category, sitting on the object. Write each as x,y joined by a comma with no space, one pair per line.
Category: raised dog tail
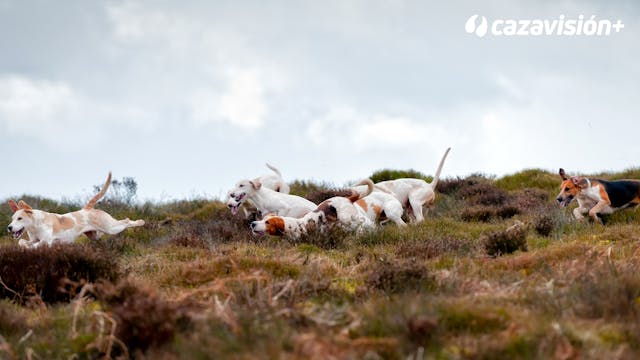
274,169
99,195
436,177
355,196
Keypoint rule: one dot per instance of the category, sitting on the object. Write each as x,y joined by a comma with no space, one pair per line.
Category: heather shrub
330,237
318,196
144,317
530,178
544,224
398,276
305,187
389,174
507,241
529,199
44,271
450,186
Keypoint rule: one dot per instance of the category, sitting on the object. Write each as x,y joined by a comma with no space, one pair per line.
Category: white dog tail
99,195
436,177
355,196
273,168
282,186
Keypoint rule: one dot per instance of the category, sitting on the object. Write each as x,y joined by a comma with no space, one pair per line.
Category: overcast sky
189,97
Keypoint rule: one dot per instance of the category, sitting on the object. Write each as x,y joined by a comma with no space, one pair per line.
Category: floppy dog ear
575,180
256,184
12,204
562,174
24,206
332,213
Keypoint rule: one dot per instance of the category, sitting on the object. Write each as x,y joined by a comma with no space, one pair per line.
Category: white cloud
351,130
242,104
39,108
56,114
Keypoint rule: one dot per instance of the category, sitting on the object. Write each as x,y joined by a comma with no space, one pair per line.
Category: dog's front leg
596,209
579,212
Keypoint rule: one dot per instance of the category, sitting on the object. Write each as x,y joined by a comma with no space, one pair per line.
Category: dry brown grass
199,285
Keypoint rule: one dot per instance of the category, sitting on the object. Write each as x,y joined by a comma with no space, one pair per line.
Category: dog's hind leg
108,225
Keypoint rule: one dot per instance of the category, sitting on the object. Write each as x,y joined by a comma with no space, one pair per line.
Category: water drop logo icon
480,30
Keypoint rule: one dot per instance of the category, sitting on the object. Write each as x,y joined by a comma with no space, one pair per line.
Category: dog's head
22,218
270,225
238,195
570,188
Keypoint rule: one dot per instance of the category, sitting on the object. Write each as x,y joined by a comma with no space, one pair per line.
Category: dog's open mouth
257,232
17,234
566,201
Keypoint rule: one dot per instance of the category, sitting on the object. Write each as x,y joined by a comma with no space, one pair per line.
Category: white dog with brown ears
47,228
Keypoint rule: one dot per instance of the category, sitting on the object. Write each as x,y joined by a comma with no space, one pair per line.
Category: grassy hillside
466,283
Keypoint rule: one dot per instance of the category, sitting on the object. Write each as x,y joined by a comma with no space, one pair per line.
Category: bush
507,241
144,318
531,178
398,276
45,271
544,224
331,237
318,196
303,188
529,199
388,174
450,186
483,193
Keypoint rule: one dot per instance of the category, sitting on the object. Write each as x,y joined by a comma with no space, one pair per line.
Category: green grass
196,273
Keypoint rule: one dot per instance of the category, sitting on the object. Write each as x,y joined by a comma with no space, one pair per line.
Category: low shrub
44,271
398,276
450,186
530,178
544,224
389,174
529,199
332,237
506,241
318,196
305,187
144,318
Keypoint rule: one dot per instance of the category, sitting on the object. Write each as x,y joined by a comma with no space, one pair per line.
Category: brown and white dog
596,196
412,193
47,228
349,213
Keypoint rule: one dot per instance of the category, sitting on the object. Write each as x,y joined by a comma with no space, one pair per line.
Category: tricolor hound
597,196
